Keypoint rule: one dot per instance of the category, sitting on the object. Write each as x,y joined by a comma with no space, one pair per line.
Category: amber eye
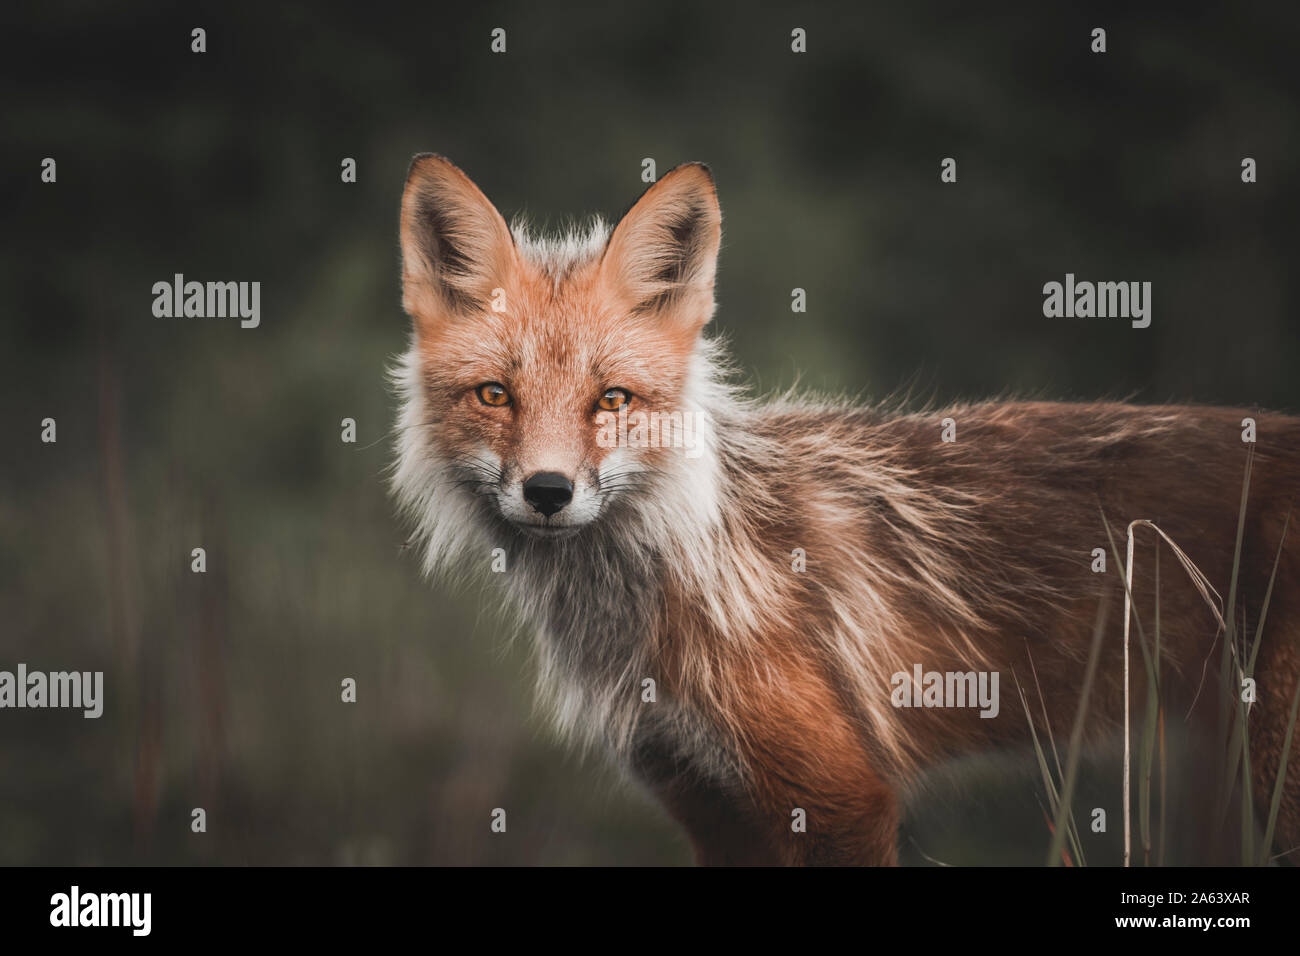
493,393
613,400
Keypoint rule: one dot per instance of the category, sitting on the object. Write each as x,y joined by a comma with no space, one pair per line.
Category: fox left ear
455,246
663,255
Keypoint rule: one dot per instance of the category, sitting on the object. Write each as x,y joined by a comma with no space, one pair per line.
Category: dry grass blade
1281,777
1075,842
1063,809
1208,594
1048,783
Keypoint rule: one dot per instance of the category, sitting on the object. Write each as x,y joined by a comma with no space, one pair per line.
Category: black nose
548,492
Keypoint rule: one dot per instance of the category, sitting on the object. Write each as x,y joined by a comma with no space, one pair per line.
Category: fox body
774,579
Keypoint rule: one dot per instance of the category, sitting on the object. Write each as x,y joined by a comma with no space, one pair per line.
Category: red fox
743,613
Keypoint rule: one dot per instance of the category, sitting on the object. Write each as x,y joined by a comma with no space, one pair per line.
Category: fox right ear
456,248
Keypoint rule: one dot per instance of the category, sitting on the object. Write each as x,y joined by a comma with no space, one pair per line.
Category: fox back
739,598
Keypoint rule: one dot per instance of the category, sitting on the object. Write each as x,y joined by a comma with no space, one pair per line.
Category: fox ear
663,255
456,248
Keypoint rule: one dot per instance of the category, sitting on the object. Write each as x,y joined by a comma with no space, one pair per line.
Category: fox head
551,384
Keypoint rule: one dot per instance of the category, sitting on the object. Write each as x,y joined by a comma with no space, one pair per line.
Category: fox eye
613,400
493,393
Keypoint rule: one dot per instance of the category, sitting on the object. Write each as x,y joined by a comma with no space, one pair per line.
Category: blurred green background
223,688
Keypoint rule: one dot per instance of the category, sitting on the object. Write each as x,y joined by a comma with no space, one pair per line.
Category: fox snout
548,492
548,499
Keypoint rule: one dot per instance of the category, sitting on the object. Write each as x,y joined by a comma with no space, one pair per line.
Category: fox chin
746,602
